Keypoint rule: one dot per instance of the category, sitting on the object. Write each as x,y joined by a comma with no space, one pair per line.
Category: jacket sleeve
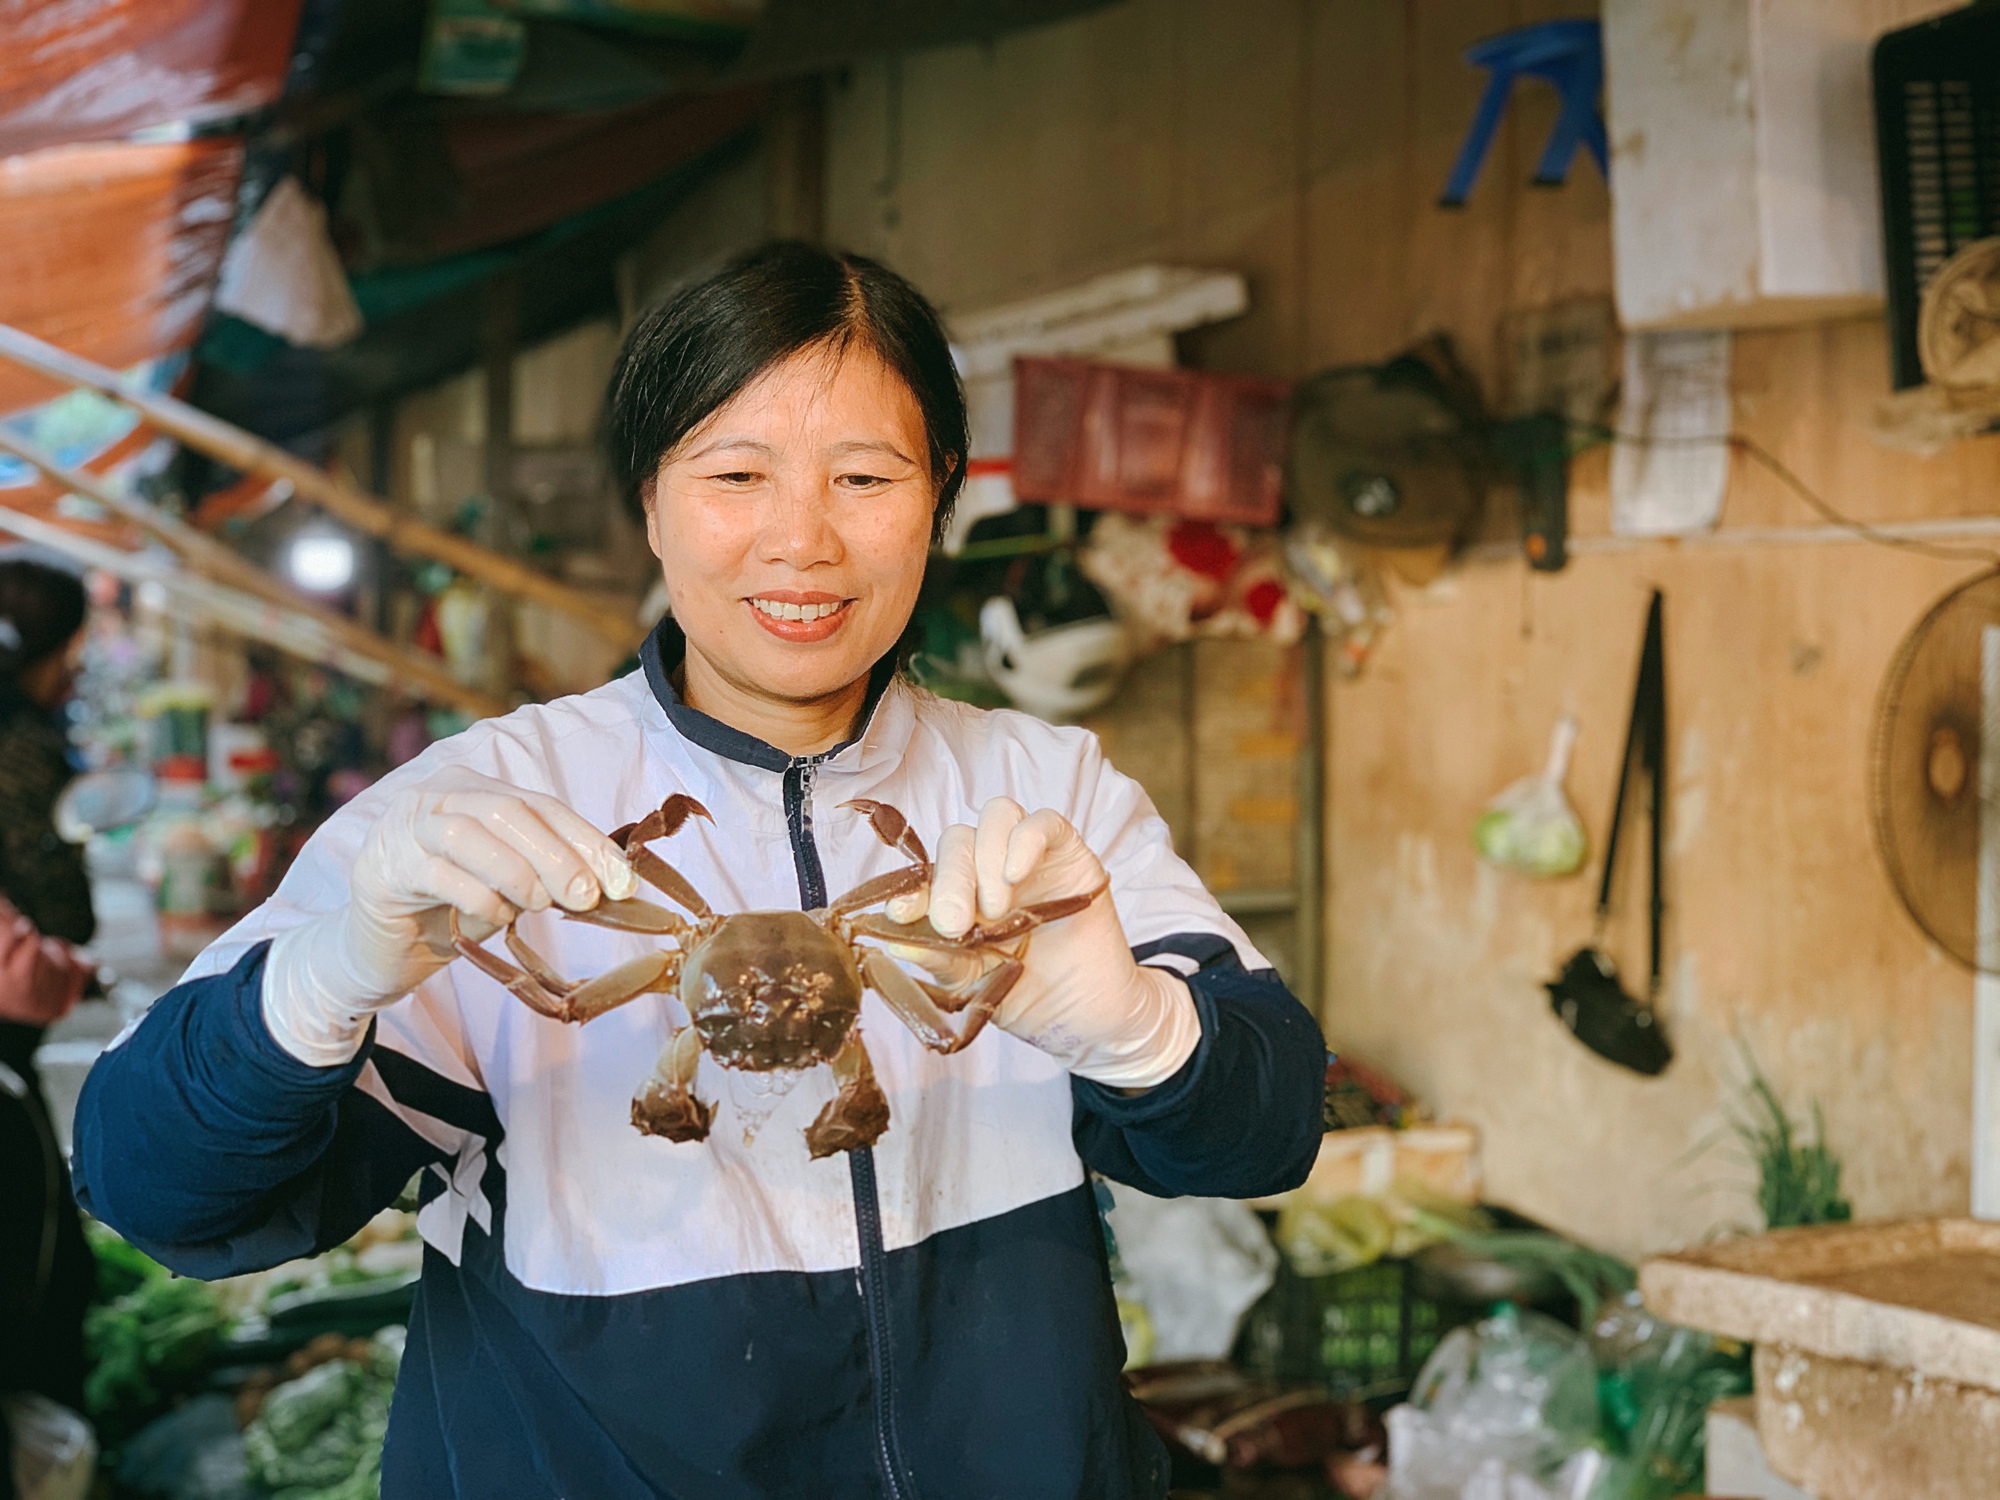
1244,1115
216,1152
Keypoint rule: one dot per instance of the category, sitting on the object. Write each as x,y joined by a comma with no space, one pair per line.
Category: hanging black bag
1586,995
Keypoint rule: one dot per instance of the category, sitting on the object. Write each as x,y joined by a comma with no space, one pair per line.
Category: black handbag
1587,996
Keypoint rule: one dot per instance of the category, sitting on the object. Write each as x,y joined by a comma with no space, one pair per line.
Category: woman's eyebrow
878,445
720,444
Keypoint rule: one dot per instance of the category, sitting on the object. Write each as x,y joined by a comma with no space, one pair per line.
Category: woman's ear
649,511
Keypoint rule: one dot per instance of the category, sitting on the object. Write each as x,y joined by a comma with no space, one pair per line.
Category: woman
607,1312
46,1270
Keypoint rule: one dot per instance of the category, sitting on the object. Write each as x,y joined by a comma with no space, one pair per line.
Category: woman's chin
804,671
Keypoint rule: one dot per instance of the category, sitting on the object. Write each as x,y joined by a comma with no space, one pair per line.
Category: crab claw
662,823
666,1104
891,827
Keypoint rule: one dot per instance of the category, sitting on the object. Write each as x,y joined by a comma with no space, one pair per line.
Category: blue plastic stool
1569,55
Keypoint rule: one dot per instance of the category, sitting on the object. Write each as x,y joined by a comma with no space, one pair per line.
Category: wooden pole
419,674
253,619
241,450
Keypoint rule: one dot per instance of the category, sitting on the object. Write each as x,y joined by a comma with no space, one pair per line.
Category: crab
780,991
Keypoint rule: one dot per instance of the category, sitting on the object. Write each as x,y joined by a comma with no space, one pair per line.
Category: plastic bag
1195,1264
55,1455
1506,1410
1657,1381
1530,826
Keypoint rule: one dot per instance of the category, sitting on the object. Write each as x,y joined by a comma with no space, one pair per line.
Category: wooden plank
242,450
422,675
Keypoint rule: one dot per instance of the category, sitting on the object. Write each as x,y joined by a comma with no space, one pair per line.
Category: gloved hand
41,978
1083,998
456,841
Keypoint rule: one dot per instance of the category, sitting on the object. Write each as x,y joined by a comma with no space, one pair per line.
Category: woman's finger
997,821
910,907
1040,835
606,861
954,882
561,868
444,882
476,848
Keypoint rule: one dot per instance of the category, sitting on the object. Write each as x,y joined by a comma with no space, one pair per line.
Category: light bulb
320,562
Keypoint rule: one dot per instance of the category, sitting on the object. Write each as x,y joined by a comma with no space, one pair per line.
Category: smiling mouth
783,609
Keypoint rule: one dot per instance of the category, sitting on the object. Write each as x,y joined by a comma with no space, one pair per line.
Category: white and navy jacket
605,1315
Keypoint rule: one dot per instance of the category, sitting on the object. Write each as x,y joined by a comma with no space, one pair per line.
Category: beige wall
1304,143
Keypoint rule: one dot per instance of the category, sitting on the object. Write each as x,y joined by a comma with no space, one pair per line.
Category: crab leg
1017,923
523,985
857,1115
661,824
882,887
535,964
666,1104
633,915
656,971
924,1009
664,877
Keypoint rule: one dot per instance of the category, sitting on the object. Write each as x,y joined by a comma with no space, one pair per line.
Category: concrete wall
1304,142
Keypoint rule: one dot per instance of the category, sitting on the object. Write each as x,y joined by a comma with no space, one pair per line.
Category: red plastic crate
1157,442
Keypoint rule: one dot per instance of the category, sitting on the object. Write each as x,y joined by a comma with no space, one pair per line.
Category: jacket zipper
872,1274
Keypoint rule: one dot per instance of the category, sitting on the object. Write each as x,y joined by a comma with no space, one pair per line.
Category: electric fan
1932,757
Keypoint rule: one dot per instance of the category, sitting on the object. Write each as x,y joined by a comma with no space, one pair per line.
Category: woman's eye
862,481
736,476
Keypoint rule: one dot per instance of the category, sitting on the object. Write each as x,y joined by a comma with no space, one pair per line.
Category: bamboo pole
252,619
241,450
420,674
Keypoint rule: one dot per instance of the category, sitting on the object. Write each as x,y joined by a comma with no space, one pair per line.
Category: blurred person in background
46,1271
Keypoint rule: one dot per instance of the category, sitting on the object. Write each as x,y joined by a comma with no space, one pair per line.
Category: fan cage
1899,794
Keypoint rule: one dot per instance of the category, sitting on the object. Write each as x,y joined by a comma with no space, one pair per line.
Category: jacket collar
660,657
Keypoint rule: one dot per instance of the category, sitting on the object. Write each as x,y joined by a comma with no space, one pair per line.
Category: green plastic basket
1363,1333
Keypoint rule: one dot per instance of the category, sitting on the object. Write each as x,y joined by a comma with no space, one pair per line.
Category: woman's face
793,525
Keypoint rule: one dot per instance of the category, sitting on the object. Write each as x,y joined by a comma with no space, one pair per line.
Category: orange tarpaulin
111,251
94,70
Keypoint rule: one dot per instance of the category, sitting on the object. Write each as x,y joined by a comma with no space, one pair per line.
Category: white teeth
785,611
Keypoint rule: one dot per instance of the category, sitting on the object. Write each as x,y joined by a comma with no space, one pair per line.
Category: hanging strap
1645,742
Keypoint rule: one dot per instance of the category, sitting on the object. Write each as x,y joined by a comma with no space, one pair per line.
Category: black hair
695,351
41,607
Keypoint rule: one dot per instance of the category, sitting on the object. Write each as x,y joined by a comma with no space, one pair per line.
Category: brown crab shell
771,991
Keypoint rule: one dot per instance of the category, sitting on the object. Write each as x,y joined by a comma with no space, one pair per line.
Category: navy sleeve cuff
258,1050
1241,1118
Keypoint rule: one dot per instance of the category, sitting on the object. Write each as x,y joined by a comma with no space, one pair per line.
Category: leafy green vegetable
319,1437
1798,1179
121,1268
148,1345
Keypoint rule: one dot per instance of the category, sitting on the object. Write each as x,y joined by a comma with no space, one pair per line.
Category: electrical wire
1757,453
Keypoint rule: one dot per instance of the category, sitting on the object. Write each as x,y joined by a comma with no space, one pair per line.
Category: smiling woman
793,433
882,1258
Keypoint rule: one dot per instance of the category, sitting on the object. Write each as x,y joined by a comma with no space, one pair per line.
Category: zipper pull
808,774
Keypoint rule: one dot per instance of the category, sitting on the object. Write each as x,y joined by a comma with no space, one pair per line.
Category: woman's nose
800,530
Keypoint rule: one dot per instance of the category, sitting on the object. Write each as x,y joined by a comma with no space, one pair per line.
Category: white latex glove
456,841
1083,998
